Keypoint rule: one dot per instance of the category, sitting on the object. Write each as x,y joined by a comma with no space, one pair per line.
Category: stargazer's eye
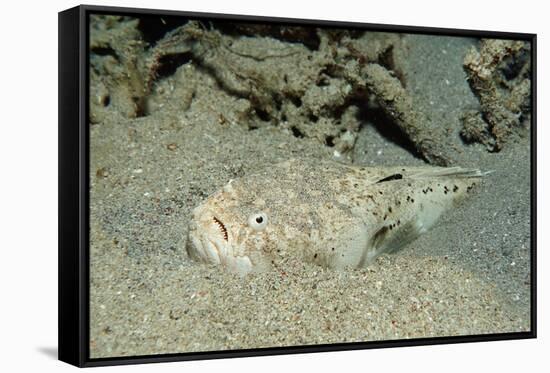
258,221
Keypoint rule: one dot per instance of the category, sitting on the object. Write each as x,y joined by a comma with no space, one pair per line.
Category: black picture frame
74,190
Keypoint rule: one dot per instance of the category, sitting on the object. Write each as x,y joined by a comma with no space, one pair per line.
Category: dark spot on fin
389,239
380,236
390,178
372,250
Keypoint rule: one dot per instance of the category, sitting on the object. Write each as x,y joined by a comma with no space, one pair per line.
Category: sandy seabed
468,275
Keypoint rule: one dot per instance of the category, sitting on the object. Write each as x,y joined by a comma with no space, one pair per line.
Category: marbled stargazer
334,215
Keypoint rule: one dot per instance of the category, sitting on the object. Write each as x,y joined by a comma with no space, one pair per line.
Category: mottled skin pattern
323,212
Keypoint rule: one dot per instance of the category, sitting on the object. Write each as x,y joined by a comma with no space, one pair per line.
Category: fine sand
468,275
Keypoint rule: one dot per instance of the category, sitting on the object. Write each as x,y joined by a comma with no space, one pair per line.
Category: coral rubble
500,75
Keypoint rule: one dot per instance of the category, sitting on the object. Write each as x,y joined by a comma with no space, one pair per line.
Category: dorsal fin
457,172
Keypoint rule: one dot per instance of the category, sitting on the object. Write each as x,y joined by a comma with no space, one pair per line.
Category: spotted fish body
323,212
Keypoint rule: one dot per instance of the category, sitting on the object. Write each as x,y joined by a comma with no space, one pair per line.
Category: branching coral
500,75
312,89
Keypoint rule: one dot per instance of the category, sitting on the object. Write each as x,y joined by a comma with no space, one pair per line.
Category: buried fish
323,212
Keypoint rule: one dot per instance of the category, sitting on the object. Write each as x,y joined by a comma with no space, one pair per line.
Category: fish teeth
222,228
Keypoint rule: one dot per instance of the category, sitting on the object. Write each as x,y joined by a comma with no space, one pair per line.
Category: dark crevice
297,101
169,63
323,79
512,65
313,118
287,33
387,129
153,28
106,101
352,100
329,141
278,101
140,106
296,132
263,115
386,59
104,51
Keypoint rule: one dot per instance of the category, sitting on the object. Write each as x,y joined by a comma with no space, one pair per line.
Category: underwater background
178,108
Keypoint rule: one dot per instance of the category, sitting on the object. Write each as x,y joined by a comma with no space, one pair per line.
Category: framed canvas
234,186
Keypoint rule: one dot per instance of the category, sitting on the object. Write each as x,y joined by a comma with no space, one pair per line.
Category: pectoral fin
391,238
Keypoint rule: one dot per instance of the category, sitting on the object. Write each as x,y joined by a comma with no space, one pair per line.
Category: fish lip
195,246
207,244
200,248
215,251
210,251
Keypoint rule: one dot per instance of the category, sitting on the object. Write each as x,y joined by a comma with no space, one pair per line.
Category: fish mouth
222,228
202,248
210,244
